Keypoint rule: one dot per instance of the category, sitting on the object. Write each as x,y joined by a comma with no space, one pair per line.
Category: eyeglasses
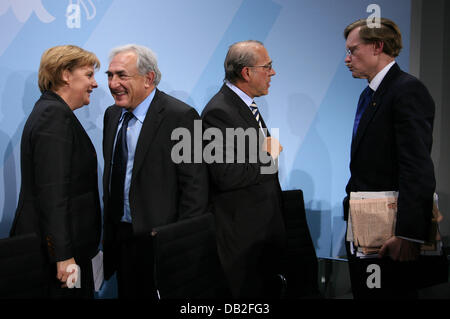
268,66
351,50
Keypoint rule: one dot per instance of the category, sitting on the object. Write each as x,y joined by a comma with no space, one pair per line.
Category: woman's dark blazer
59,197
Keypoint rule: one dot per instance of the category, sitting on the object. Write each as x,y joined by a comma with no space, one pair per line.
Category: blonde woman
59,198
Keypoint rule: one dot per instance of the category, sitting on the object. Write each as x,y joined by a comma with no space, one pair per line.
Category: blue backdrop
312,98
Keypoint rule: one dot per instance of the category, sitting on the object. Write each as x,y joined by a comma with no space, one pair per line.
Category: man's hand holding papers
400,249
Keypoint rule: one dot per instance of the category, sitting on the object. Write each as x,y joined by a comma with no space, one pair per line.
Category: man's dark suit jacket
59,197
247,204
161,192
391,150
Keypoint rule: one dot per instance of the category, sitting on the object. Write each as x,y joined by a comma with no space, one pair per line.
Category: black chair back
300,266
186,260
22,268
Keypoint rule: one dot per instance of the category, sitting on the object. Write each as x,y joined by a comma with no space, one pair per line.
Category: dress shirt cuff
412,239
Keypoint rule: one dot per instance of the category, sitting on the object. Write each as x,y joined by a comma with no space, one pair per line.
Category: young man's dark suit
391,151
59,197
247,205
161,192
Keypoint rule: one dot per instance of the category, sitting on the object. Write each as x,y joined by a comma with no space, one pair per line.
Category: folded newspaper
372,220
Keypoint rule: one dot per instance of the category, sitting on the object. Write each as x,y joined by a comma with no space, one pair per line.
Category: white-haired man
143,187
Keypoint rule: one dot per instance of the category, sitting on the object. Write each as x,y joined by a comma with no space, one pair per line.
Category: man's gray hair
146,59
239,55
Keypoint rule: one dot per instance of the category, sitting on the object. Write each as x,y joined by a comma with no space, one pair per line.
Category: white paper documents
372,220
97,270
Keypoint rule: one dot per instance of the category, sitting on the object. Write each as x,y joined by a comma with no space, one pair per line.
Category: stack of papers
372,220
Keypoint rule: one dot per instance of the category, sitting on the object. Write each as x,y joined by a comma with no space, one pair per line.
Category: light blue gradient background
312,98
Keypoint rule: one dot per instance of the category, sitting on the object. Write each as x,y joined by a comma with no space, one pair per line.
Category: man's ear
378,47
150,79
245,73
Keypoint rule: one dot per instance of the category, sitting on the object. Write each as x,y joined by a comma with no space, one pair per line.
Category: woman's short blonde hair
57,59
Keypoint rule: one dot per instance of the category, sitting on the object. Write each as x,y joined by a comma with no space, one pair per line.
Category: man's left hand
272,146
400,249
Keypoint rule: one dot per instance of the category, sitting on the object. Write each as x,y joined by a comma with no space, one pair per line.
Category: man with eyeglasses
390,151
245,200
142,187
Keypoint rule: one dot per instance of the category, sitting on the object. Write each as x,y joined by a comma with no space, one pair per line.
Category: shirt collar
376,81
141,110
244,97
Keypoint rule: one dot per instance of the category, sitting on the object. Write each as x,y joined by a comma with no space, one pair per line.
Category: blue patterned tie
364,100
119,168
256,114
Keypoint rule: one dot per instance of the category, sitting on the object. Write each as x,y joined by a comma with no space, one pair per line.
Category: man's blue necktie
364,100
119,168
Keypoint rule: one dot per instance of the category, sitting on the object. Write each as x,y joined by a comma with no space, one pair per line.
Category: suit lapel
84,134
247,115
373,107
108,141
78,126
152,121
364,122
244,110
264,125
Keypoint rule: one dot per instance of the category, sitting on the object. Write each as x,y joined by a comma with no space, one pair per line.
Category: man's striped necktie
256,114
